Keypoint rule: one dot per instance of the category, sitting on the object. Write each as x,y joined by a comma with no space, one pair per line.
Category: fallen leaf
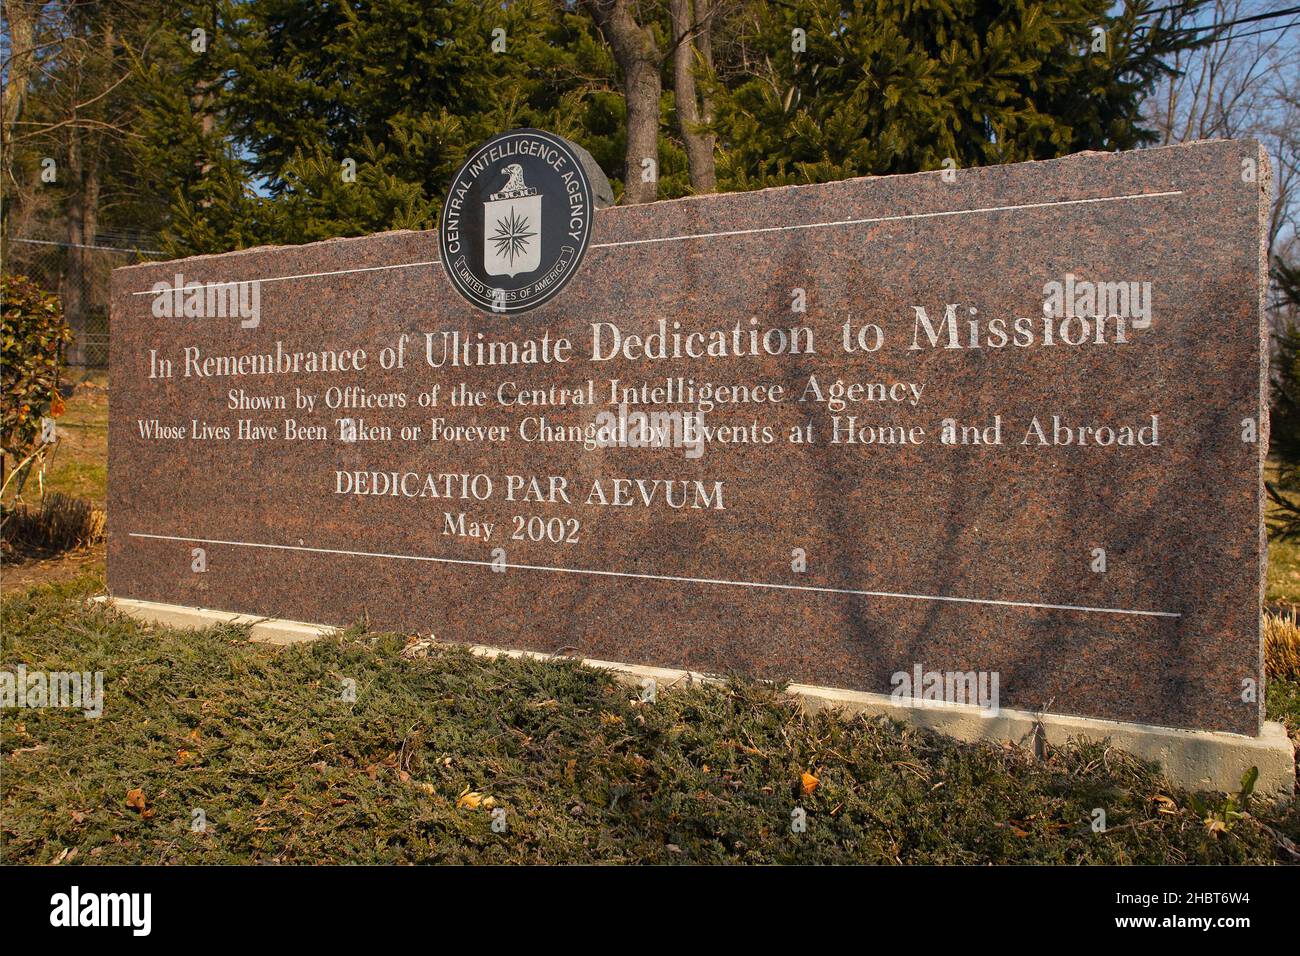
472,800
135,799
416,648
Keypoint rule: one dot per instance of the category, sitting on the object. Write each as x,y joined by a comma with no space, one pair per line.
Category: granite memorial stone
1007,421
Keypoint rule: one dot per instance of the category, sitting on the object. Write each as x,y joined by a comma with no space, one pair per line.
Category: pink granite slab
952,557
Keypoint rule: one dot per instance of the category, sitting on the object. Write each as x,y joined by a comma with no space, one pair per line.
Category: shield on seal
512,227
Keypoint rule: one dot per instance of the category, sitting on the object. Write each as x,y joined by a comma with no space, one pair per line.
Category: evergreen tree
250,137
402,89
206,203
874,87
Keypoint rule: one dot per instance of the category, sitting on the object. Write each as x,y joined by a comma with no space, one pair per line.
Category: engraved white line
916,215
665,577
732,232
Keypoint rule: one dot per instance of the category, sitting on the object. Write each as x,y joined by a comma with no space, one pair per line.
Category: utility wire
1172,6
83,245
1183,31
1232,23
1253,33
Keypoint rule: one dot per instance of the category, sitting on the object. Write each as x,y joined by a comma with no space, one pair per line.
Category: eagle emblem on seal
512,216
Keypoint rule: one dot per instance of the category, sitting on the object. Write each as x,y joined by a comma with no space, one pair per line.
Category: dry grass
54,540
1282,647
60,523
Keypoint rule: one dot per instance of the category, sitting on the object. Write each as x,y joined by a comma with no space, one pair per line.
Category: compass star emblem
511,235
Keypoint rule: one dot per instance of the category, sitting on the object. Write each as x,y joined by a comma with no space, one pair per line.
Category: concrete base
264,630
1192,759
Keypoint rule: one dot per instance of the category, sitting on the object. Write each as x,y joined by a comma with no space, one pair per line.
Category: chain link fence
79,275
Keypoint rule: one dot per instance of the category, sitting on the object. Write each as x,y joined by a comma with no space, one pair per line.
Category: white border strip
904,218
666,577
733,232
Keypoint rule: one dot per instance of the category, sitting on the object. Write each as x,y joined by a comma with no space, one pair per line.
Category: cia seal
516,221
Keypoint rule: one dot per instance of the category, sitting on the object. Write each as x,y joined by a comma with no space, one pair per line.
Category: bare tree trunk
704,13
82,222
20,21
699,145
639,58
203,103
